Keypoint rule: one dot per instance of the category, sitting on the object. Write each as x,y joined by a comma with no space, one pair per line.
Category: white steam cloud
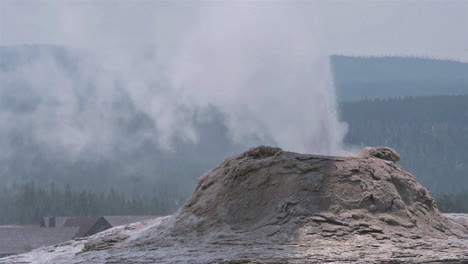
260,64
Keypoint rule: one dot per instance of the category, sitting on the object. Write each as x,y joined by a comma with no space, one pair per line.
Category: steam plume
260,64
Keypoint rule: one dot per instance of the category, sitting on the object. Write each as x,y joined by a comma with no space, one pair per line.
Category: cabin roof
85,224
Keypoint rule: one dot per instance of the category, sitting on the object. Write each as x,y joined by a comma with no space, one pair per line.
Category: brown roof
119,220
88,225
15,240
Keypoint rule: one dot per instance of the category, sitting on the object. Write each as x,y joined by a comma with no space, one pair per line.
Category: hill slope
359,78
431,131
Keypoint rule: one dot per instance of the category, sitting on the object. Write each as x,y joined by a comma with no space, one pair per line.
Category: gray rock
381,153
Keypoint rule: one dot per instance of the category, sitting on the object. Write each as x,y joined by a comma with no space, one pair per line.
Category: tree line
429,133
25,204
452,202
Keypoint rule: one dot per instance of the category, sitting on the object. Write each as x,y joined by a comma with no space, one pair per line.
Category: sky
422,28
426,28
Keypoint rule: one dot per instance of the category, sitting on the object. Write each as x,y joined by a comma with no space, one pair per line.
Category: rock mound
380,152
272,206
272,194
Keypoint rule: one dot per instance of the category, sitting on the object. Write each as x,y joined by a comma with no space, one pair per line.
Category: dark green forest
452,203
25,204
430,134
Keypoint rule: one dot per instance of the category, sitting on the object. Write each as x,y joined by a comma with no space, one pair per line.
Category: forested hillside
430,133
25,204
359,78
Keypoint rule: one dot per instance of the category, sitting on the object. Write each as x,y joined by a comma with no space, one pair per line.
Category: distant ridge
356,77
359,78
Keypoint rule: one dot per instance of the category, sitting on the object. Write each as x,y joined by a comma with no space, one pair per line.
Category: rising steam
263,67
260,65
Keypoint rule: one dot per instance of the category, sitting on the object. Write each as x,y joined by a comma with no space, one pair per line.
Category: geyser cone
270,193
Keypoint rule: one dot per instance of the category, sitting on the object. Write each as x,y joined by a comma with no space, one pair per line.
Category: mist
260,65
142,94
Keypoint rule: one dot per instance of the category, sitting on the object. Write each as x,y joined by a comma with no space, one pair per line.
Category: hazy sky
393,27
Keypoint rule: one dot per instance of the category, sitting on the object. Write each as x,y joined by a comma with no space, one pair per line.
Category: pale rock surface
271,206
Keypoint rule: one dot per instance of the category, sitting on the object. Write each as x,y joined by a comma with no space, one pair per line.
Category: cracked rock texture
271,206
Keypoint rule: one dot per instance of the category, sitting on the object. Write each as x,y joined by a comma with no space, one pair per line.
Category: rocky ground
271,206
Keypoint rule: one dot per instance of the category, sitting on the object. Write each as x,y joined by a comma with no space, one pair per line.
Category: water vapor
155,70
